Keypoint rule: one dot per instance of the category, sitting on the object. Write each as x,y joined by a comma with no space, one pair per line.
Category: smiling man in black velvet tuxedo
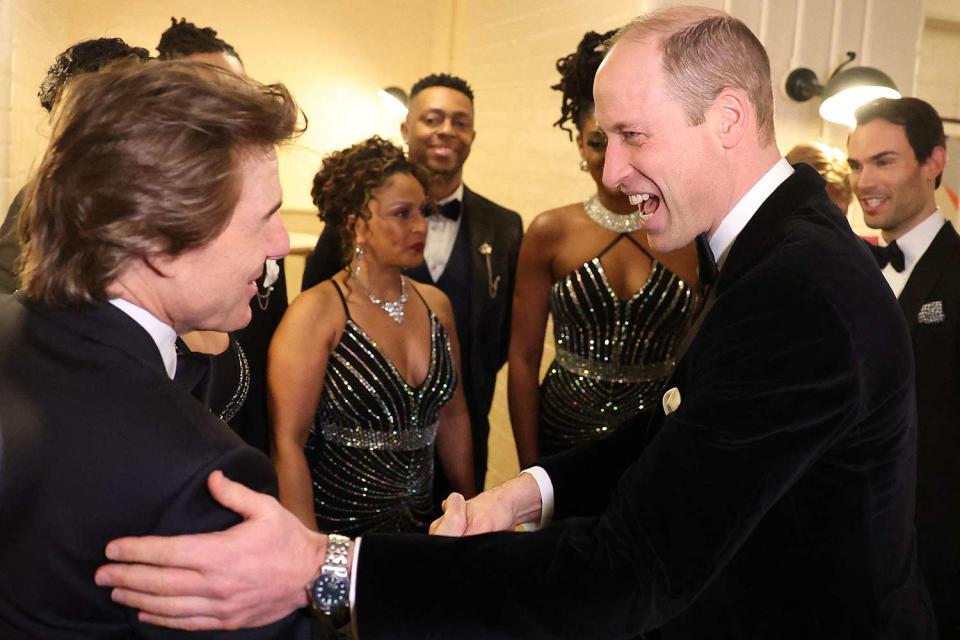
774,495
897,154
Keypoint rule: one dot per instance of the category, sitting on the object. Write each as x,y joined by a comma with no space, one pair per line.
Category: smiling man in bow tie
897,154
471,249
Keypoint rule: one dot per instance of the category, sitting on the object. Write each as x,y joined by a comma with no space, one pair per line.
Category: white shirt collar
914,243
456,195
734,222
163,334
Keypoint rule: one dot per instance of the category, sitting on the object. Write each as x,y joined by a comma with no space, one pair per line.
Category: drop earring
583,166
357,257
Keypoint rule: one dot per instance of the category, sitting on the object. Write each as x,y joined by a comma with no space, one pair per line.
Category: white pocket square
671,401
931,313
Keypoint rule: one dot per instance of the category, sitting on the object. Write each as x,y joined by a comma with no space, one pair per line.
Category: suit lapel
761,234
927,273
479,230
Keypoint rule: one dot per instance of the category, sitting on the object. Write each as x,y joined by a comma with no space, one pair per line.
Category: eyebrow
452,113
272,211
875,157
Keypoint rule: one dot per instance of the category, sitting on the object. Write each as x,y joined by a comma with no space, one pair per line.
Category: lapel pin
492,283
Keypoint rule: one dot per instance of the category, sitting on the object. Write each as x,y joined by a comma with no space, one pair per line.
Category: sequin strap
611,371
407,439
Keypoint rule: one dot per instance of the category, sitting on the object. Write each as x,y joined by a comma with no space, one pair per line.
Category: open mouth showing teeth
646,203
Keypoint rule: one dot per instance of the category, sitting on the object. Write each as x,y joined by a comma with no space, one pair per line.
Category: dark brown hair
920,122
143,160
345,182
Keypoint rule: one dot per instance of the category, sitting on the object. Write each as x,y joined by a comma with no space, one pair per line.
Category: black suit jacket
931,305
775,502
487,223
10,246
99,443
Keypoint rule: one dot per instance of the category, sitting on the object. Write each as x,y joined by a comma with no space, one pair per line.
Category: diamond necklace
617,222
394,308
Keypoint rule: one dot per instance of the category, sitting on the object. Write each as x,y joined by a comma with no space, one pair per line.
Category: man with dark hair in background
146,218
185,40
471,250
897,154
83,57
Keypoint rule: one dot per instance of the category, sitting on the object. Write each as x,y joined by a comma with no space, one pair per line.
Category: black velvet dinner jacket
930,302
775,502
99,443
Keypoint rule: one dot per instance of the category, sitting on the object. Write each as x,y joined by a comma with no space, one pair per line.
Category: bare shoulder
318,310
437,300
553,224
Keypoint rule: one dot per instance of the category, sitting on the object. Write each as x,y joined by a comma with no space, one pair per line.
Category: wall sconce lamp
394,100
845,91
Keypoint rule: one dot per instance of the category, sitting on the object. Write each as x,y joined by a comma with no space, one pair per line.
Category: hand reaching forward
502,508
249,575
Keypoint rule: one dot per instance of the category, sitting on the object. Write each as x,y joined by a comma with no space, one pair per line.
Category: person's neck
382,281
133,286
442,185
615,203
742,173
911,223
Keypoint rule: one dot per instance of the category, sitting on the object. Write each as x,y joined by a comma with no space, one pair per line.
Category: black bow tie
450,210
890,254
706,264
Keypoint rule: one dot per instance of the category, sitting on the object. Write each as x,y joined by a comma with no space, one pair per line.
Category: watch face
330,592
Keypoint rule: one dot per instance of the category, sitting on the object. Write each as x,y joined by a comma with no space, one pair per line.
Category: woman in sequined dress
618,307
363,368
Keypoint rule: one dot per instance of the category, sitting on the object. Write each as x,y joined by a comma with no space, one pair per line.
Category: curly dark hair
83,57
345,182
442,80
577,71
184,39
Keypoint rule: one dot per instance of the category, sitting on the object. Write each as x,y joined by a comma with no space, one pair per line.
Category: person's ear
729,116
933,166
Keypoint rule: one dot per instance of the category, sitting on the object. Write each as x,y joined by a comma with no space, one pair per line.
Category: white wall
507,50
28,30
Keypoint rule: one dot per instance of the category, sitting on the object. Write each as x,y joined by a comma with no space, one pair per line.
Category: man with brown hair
774,495
897,156
150,215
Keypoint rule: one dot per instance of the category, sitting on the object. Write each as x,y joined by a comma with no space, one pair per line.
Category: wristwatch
330,593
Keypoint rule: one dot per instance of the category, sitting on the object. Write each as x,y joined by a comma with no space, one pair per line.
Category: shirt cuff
353,576
546,498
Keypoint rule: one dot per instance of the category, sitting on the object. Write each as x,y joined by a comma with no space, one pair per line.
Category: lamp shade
394,100
851,88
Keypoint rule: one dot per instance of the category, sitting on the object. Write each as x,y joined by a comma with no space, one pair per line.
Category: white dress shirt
441,235
734,222
914,244
163,334
727,231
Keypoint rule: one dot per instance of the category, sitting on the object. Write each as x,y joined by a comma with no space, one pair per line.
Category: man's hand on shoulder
250,575
502,508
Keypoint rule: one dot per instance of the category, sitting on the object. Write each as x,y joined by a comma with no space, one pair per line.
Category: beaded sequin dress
612,355
370,449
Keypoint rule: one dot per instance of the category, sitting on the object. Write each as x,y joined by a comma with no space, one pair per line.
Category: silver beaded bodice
370,449
613,355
